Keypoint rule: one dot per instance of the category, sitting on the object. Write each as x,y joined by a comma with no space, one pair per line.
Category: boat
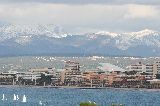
3,98
17,98
40,102
24,99
14,97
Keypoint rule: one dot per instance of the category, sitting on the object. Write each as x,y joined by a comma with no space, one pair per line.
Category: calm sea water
72,97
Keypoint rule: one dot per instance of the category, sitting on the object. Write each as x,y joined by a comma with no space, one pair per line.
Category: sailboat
17,98
3,97
40,103
14,97
24,99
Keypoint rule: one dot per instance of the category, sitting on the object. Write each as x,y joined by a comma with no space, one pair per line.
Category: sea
74,96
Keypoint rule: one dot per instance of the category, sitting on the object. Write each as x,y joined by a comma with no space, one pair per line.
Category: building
74,66
71,73
139,67
27,78
7,78
56,78
154,84
149,70
111,78
125,81
93,79
157,67
42,70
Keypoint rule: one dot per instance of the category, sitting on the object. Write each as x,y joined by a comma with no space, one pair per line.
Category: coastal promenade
74,87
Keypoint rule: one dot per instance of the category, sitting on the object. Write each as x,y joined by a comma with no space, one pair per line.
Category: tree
88,104
46,79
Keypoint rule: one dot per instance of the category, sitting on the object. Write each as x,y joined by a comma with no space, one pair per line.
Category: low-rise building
7,78
93,79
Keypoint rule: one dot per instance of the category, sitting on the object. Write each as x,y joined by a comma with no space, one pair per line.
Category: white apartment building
150,69
157,66
140,68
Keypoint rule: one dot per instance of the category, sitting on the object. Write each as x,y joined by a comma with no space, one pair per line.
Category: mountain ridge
51,39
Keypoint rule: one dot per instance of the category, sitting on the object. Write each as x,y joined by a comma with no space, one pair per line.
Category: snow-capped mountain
10,31
112,34
51,39
145,37
142,33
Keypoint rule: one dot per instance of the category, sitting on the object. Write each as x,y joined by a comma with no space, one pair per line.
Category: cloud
147,2
83,18
141,11
56,13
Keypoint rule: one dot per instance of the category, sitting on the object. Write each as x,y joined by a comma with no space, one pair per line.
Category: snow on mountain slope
112,34
144,37
142,33
124,41
22,40
50,38
10,31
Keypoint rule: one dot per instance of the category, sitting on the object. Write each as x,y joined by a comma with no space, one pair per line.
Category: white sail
3,98
24,99
17,98
40,103
14,97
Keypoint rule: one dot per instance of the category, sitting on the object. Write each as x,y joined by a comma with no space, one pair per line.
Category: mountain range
53,40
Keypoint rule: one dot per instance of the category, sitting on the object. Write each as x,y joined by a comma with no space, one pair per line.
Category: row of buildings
150,70
106,75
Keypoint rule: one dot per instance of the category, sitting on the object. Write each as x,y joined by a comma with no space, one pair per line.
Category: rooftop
109,67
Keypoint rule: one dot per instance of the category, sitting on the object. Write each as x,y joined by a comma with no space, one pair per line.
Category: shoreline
74,87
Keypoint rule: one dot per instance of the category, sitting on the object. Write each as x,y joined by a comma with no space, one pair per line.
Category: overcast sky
82,16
